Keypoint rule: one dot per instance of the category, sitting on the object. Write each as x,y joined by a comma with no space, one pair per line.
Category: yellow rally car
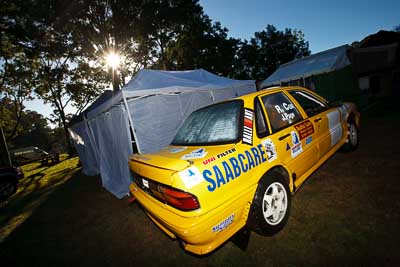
237,163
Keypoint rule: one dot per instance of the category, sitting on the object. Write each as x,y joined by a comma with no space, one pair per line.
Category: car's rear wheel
271,205
7,187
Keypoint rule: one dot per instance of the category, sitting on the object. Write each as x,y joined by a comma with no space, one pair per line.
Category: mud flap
241,239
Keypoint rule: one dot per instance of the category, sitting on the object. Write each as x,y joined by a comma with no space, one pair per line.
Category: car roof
272,90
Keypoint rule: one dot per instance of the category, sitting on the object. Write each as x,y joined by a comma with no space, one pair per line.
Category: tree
397,28
63,79
141,31
161,22
17,87
38,53
36,132
103,27
267,50
17,70
202,44
32,129
7,116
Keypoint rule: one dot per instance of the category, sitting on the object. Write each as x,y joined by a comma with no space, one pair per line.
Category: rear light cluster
168,195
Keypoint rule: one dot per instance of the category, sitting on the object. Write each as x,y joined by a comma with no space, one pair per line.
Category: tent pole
212,96
91,135
131,123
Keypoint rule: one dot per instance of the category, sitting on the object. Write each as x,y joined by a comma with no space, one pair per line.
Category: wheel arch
354,118
256,220
284,172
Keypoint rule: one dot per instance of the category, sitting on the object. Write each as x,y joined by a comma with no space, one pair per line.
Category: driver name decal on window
281,111
248,127
285,111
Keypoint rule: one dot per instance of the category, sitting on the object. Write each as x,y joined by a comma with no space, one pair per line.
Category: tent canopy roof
159,82
104,97
147,82
326,61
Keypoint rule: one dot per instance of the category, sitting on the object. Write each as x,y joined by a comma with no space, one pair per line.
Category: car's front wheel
271,205
352,137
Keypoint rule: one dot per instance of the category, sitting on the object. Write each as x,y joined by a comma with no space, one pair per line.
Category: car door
290,133
327,120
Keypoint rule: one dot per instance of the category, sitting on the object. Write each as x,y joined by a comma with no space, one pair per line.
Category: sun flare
113,60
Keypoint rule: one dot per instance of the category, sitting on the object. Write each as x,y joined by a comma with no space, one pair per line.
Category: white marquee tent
153,104
322,62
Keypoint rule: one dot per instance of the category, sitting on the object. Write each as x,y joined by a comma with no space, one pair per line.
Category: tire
352,140
271,205
8,186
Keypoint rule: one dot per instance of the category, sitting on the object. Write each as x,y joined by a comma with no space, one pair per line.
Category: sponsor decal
309,140
304,129
191,177
287,147
218,156
209,160
145,183
248,127
226,153
195,154
296,149
233,167
175,150
270,149
224,224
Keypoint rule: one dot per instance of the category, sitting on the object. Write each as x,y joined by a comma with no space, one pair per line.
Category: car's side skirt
300,180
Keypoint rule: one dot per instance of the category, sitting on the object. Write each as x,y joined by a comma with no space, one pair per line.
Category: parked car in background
31,154
237,163
9,177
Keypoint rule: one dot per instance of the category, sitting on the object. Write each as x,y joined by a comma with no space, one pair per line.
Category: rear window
216,124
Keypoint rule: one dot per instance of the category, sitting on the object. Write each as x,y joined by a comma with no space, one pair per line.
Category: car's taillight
179,199
169,195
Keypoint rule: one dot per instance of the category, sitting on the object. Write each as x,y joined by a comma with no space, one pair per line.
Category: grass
33,189
347,214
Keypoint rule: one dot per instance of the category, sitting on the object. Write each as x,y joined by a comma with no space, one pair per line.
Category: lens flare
113,60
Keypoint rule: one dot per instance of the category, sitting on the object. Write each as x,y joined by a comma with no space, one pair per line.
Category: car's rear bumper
201,233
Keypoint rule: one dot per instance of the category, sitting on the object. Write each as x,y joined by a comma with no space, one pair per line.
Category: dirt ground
346,214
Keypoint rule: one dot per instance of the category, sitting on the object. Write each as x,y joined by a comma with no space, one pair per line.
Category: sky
325,24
